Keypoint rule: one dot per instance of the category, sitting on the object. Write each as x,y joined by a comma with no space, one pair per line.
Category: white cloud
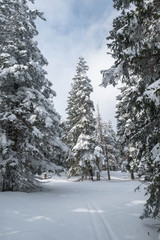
54,10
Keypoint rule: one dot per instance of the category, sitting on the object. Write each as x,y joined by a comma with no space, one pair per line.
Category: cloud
55,11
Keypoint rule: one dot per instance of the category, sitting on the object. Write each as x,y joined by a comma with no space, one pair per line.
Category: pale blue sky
77,28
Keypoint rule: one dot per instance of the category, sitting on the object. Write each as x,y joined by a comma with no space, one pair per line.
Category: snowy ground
68,210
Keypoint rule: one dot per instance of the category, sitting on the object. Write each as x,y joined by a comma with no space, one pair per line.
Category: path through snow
77,211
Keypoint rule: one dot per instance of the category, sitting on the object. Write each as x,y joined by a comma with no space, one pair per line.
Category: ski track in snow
100,225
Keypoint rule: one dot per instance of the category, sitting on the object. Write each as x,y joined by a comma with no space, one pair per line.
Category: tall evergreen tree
126,128
29,124
81,122
107,140
112,146
100,136
135,45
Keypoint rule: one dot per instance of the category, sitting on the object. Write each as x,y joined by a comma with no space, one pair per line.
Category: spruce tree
135,45
112,146
100,137
126,128
81,122
29,124
107,140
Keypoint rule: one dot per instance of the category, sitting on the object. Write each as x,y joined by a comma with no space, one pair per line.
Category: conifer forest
79,176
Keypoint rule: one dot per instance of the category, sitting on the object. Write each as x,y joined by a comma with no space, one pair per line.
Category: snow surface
72,210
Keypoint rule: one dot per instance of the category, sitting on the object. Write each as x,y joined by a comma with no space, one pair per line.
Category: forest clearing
46,155
85,210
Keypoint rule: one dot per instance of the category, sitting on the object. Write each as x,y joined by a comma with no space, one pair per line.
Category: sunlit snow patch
135,203
85,210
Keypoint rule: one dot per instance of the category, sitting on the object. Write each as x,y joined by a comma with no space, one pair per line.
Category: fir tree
106,137
112,146
126,127
135,45
81,122
100,136
29,124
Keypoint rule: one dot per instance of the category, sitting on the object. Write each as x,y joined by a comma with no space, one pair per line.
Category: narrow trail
101,227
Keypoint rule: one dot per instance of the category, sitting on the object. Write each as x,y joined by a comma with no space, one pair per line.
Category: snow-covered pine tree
81,122
100,138
107,140
112,146
126,128
29,124
135,45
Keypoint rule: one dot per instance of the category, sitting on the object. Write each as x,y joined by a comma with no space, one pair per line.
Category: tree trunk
132,174
108,173
108,169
